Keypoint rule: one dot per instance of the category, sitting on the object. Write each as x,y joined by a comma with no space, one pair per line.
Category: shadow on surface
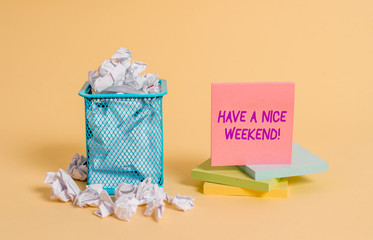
53,155
298,180
43,192
199,186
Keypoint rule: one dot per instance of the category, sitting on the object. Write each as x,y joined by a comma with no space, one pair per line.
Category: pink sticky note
251,123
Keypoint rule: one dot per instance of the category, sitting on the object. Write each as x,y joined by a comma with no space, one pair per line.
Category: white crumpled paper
63,186
118,75
106,206
95,196
78,167
156,206
125,207
128,197
181,202
90,196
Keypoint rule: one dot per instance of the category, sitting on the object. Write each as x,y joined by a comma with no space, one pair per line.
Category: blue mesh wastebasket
124,137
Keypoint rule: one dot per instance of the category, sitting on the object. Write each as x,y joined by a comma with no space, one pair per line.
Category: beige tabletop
325,47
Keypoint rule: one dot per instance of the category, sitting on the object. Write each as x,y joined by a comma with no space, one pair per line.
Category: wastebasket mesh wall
124,140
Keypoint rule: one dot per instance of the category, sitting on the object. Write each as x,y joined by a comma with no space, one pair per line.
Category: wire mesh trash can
124,137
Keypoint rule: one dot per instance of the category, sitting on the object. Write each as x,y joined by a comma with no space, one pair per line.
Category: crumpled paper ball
78,167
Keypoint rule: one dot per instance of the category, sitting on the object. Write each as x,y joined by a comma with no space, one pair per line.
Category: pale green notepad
304,162
232,176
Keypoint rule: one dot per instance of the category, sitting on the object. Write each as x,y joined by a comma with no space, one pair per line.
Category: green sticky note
232,176
303,162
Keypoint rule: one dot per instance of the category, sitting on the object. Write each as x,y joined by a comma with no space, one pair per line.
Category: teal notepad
303,162
232,176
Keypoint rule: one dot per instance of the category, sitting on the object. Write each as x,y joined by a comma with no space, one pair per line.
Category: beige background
325,47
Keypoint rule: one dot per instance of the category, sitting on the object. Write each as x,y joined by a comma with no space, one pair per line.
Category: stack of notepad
258,180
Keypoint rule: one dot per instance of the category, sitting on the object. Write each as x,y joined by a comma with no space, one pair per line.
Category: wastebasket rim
84,92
